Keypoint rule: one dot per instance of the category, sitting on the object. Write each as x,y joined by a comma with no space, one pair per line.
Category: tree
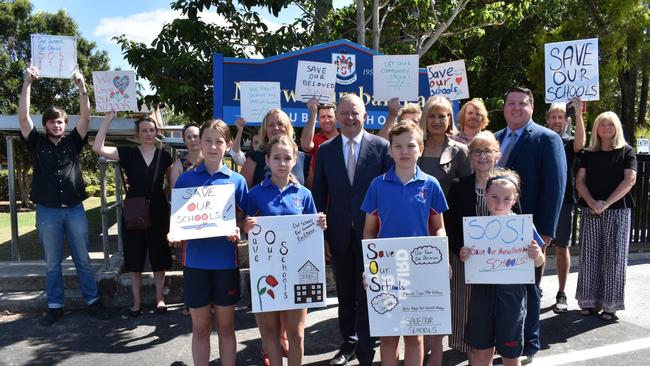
18,23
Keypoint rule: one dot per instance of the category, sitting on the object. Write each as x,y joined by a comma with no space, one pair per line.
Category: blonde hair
405,126
218,125
482,112
283,117
556,107
484,138
437,104
411,108
619,138
503,176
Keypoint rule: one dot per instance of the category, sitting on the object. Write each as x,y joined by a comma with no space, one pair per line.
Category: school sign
354,74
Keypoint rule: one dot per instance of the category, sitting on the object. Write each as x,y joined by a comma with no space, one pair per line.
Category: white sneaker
526,360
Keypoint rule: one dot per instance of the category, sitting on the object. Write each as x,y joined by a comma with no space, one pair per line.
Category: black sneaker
560,303
52,316
98,311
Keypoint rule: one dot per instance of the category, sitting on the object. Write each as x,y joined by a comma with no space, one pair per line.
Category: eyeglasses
477,153
439,117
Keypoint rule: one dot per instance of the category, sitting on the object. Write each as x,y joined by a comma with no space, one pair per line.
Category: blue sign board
354,75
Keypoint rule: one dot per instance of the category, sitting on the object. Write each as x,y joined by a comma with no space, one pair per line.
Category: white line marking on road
591,353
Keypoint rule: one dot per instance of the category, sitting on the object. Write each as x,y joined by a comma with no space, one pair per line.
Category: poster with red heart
115,91
449,80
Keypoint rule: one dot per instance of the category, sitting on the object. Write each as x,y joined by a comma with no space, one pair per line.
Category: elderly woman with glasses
446,160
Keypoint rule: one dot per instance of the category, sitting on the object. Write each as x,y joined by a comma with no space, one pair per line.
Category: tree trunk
376,30
627,79
23,187
361,23
643,99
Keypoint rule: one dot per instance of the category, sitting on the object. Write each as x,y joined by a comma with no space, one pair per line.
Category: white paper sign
395,76
448,80
315,80
203,212
408,286
571,70
643,146
287,263
115,91
257,98
54,56
499,249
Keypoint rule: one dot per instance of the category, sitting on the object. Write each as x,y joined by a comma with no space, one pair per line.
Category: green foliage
4,188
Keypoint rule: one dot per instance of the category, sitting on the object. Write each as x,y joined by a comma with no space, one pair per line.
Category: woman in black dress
139,165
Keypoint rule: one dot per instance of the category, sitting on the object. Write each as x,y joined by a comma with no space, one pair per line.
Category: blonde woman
606,175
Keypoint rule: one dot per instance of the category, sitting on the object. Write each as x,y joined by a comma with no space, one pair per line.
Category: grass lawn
29,245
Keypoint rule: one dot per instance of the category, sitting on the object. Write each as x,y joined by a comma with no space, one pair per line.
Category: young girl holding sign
211,273
281,194
497,312
407,202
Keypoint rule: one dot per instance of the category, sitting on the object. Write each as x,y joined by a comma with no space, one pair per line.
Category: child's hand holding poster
203,212
499,247
287,263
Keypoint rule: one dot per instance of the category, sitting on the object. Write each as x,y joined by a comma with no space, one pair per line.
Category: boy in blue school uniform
404,202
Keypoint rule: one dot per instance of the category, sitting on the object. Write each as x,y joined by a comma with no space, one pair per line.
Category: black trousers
353,306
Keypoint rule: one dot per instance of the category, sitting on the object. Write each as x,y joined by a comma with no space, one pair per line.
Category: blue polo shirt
404,210
266,199
216,252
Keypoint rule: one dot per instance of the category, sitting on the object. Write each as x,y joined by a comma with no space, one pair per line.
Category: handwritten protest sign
115,91
203,212
499,249
287,263
54,56
449,80
257,98
571,70
408,286
396,76
315,80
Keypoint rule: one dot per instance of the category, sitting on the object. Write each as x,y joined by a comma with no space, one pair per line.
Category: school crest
422,194
297,202
346,71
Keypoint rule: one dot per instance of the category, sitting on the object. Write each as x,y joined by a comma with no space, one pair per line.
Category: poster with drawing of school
203,212
115,91
287,263
408,286
54,56
499,247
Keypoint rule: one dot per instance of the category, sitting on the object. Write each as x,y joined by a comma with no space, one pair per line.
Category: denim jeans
53,223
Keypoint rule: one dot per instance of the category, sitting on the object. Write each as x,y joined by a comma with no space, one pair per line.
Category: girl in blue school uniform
404,202
211,268
281,194
497,312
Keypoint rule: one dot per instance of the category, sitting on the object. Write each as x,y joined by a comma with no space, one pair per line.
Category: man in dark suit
537,155
345,166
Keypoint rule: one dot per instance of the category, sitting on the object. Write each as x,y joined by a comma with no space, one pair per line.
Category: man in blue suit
345,166
537,155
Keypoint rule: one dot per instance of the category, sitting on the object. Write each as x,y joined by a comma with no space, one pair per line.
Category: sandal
284,343
608,317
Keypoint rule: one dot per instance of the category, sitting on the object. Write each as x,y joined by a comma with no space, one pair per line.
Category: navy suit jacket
539,159
333,192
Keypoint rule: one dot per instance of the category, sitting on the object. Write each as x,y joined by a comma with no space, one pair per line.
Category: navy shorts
564,225
496,319
203,287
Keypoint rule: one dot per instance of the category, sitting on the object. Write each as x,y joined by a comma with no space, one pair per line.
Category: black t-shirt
605,171
569,193
139,175
57,179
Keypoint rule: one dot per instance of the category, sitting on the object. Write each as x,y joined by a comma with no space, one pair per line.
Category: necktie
352,161
506,154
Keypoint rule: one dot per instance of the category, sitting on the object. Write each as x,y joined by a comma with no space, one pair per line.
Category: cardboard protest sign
448,80
396,76
287,263
315,80
257,98
408,286
571,70
115,91
203,212
499,249
54,56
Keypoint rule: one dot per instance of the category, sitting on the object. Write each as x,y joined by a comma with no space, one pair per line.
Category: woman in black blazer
465,198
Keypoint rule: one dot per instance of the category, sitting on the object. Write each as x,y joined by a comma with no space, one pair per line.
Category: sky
139,20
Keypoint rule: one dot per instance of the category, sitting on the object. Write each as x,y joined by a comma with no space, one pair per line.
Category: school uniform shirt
266,199
404,210
215,252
